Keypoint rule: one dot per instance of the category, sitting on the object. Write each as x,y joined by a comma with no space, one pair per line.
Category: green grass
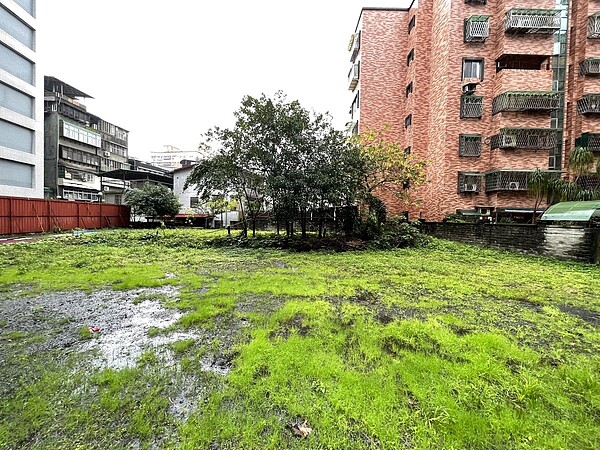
447,346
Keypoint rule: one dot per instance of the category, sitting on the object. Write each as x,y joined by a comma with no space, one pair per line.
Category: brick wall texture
570,243
437,77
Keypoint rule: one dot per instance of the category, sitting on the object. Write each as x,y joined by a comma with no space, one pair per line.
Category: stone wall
569,243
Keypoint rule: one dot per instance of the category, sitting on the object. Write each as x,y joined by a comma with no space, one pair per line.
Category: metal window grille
525,101
589,140
477,29
511,180
594,26
590,66
589,104
471,107
469,145
408,121
525,138
469,182
544,21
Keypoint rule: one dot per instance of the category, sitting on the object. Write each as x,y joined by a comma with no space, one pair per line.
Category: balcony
589,104
589,140
532,21
470,182
477,29
353,76
525,138
590,66
511,180
354,46
594,26
471,107
516,101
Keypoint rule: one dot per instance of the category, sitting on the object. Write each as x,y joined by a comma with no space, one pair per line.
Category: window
412,23
194,203
472,68
16,174
16,137
16,28
407,150
469,145
409,89
16,65
410,57
408,121
16,101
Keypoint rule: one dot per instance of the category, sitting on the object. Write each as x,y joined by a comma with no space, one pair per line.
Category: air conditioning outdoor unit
106,188
508,140
106,153
470,187
513,186
469,88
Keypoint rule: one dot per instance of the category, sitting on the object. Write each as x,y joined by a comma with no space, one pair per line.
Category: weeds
443,346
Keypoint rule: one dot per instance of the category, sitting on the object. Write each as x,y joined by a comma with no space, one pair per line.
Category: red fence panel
30,215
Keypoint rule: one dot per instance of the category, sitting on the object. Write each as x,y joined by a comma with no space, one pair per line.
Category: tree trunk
303,222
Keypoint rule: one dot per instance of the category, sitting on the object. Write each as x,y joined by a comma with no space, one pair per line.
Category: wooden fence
32,215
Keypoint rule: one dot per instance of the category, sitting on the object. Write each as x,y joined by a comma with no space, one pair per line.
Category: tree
280,157
154,200
537,186
387,168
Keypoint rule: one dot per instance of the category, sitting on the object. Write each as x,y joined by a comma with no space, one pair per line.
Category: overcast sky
167,71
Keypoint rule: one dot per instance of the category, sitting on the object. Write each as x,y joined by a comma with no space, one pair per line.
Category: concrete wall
570,243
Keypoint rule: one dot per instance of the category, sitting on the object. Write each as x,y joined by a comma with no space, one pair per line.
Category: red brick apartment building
484,91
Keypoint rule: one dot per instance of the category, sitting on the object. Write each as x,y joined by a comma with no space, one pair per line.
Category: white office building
21,102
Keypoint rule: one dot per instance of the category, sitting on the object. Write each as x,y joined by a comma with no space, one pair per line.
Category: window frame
481,63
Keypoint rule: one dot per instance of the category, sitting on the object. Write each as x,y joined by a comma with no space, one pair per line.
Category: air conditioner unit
106,153
106,188
508,140
470,187
513,186
469,88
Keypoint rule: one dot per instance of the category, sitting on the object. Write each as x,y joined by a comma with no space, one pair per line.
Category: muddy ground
128,323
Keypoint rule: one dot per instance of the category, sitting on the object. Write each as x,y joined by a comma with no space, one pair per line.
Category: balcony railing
477,29
354,46
525,138
353,76
589,104
594,26
589,140
514,101
543,21
471,107
470,182
511,180
590,66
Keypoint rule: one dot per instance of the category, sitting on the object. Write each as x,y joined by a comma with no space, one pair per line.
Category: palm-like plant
581,161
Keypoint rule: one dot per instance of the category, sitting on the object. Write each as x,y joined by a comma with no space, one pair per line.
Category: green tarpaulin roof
573,211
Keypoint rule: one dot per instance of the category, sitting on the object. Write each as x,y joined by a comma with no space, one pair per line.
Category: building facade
21,102
171,157
485,92
80,147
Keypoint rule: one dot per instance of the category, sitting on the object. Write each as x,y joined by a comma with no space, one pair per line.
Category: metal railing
589,104
514,101
525,138
590,66
544,21
470,182
511,180
589,140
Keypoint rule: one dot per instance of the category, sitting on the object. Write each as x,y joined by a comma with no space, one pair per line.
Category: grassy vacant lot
447,346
